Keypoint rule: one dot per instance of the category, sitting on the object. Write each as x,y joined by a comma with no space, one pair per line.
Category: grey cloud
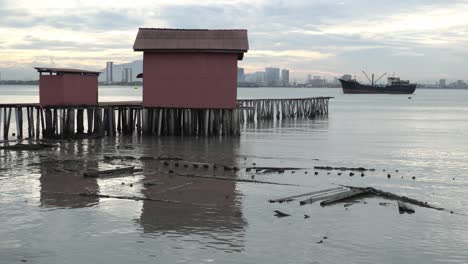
30,42
100,20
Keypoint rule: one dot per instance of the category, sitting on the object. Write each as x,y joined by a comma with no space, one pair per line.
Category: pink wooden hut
190,68
67,87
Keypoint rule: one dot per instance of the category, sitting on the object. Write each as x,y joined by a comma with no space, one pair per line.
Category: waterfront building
272,76
190,68
240,75
317,81
127,75
67,87
442,83
285,77
109,72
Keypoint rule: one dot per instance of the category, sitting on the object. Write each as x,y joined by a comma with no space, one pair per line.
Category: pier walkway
130,117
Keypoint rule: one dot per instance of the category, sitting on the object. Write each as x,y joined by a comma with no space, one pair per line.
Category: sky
418,40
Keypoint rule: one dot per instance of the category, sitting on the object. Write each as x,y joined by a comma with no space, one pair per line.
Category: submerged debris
110,172
291,198
349,194
28,147
342,168
119,158
271,169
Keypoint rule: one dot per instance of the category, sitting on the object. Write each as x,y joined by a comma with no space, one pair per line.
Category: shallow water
425,137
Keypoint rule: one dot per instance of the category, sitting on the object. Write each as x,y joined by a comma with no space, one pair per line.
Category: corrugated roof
169,40
65,70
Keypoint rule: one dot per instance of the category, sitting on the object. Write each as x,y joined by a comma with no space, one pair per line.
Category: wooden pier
130,118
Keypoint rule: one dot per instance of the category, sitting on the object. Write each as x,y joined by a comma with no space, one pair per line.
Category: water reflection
205,207
61,179
288,126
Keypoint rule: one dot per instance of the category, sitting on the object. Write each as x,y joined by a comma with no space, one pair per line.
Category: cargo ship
394,86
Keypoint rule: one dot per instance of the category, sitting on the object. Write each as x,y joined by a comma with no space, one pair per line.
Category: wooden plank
6,124
18,122
38,123
80,121
89,119
1,112
329,195
344,196
109,172
292,197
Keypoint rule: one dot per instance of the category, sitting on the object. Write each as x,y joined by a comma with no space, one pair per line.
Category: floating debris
280,214
404,208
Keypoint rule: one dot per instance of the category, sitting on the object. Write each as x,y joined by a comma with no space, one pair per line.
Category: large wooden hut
190,68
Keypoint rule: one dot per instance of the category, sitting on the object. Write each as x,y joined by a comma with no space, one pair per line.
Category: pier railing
130,118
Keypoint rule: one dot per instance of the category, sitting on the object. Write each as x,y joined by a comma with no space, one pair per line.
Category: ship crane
372,81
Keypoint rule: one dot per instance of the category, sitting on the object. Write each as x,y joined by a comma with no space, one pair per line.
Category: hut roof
192,40
66,70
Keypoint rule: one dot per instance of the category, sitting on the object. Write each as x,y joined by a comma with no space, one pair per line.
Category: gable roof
192,40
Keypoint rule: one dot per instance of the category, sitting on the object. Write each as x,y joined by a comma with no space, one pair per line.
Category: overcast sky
416,39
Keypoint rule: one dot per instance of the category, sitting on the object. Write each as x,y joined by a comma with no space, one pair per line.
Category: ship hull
352,87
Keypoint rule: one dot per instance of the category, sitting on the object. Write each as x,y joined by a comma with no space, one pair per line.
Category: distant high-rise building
272,76
309,77
240,75
109,72
285,77
259,78
317,81
442,83
335,81
127,75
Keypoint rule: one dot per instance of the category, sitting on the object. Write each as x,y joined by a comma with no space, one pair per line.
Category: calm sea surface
425,137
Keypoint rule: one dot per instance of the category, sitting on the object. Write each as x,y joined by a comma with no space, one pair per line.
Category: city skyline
423,41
